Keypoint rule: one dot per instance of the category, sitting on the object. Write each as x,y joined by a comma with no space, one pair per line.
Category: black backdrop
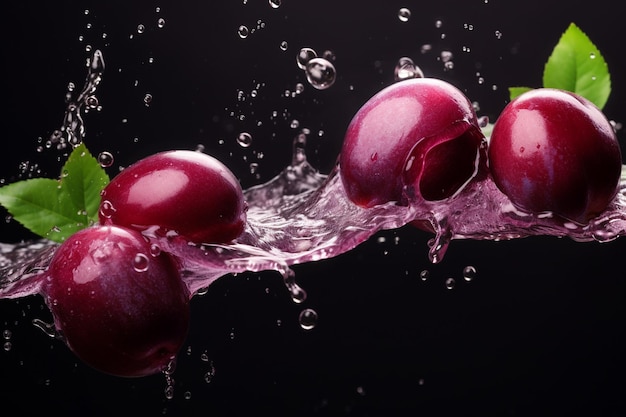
539,331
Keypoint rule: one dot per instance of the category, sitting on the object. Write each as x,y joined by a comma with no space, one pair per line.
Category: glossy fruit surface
417,137
552,150
185,193
121,306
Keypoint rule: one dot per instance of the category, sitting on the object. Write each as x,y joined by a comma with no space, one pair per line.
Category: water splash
302,215
72,131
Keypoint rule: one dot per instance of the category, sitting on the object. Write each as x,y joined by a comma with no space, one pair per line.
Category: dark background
539,331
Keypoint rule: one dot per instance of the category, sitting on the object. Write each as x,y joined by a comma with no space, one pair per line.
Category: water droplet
141,28
284,45
244,139
304,56
105,159
404,14
7,346
275,3
406,69
469,273
6,334
308,318
424,274
446,56
160,22
141,262
155,250
320,73
107,209
592,55
450,283
243,31
147,99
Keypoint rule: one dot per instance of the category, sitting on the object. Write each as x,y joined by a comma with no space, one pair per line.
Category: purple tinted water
302,215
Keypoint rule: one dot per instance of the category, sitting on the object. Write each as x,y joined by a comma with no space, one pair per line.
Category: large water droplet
406,69
105,159
304,56
469,273
243,31
320,73
308,319
404,14
244,139
141,262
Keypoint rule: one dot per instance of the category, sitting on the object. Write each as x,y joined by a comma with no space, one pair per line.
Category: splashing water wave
303,216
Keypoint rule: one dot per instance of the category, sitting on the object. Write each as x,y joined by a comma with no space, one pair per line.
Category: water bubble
244,139
141,28
275,3
446,56
304,56
107,209
105,159
284,45
308,318
469,273
424,274
406,69
450,283
160,22
141,262
243,31
92,102
320,73
438,24
404,14
147,99
155,250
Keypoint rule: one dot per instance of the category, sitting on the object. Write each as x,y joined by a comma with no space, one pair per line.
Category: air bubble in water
304,56
404,14
275,3
147,99
244,139
424,274
243,31
140,262
308,319
284,45
161,22
105,159
320,73
406,69
469,273
141,28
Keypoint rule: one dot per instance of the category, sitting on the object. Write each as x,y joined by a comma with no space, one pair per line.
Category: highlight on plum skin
554,151
181,192
119,304
417,138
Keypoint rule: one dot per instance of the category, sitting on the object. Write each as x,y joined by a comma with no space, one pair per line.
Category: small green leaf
56,209
576,65
517,91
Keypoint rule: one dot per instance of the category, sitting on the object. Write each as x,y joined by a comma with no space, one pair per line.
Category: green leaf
517,91
576,65
56,209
